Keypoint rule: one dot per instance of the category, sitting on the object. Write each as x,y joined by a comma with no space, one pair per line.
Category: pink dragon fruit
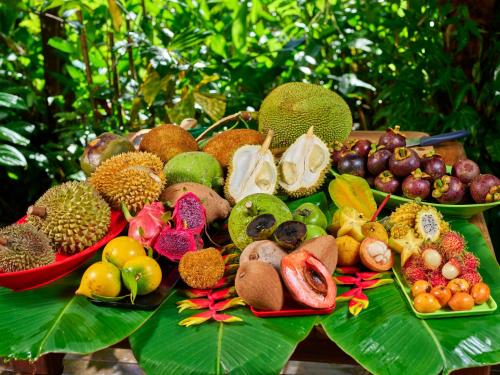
189,213
174,243
147,224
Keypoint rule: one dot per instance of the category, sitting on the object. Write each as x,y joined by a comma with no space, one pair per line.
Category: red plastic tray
63,265
291,311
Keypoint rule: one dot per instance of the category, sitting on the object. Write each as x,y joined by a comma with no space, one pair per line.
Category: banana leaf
254,346
388,338
53,319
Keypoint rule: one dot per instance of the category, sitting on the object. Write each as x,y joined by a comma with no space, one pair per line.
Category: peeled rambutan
436,278
452,269
452,244
470,261
472,277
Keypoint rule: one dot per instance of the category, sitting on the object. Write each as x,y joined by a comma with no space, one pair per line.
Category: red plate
291,310
64,264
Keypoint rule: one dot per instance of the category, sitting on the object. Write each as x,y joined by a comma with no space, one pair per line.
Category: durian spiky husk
405,214
132,179
303,165
24,247
252,170
73,215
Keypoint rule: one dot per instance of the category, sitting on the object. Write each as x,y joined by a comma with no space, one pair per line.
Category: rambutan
472,277
470,261
436,278
452,269
413,269
452,244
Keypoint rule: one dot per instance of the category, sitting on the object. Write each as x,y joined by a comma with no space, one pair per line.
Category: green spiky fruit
303,165
72,215
23,247
194,166
247,209
291,109
131,179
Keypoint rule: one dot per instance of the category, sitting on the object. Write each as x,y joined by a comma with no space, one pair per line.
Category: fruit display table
321,339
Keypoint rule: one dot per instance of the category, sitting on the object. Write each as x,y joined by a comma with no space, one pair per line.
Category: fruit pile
391,167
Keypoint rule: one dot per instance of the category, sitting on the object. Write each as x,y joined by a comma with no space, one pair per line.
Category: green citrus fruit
141,274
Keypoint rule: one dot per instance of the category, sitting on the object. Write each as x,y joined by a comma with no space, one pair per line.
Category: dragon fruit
189,213
147,224
174,243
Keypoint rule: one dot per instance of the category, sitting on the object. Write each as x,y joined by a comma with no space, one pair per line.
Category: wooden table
317,347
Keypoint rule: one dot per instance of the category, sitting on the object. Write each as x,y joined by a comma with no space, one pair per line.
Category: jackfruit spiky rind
76,216
24,248
292,108
168,140
131,178
223,145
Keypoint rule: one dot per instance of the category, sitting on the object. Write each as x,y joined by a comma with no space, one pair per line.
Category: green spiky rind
292,108
308,190
26,248
76,216
132,179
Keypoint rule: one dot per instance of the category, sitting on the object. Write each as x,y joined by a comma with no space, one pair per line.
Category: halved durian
303,165
251,170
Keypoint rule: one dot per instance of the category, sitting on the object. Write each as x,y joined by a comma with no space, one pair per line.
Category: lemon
101,279
121,249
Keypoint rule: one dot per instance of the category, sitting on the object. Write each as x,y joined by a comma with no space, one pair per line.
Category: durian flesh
303,165
251,170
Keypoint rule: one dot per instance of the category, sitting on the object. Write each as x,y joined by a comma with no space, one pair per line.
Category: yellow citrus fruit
145,270
121,249
101,279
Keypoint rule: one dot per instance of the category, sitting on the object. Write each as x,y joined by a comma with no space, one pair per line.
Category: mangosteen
392,138
361,147
386,182
290,234
261,227
378,159
433,164
371,180
448,189
465,170
352,163
485,188
339,150
403,161
417,185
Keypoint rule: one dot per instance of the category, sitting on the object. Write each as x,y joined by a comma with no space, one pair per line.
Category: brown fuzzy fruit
168,140
263,251
259,285
426,303
419,287
224,144
348,249
461,302
442,293
324,248
481,293
376,255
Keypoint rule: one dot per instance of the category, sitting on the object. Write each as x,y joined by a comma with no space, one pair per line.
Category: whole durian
73,215
131,179
303,165
23,247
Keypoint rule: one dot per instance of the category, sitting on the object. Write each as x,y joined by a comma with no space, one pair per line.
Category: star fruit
350,221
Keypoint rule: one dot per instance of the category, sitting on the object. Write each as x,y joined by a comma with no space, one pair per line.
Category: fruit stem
126,212
37,211
310,131
267,142
243,115
380,207
252,211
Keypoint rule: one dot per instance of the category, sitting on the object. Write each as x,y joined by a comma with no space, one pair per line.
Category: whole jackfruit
223,145
73,215
131,179
168,140
23,247
292,108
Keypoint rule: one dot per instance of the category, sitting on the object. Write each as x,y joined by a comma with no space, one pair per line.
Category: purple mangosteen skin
352,163
465,170
391,140
378,161
433,166
391,186
362,147
403,168
481,185
455,192
416,187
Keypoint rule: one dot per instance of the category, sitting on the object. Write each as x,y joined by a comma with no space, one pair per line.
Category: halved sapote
324,248
259,284
264,251
376,255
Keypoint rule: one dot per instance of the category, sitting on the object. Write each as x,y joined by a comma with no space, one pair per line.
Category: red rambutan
413,274
452,244
472,277
470,261
436,278
452,269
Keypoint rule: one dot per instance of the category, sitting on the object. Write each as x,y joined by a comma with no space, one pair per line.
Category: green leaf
11,157
389,338
53,319
255,346
214,105
218,45
11,136
116,15
239,28
12,101
183,109
61,44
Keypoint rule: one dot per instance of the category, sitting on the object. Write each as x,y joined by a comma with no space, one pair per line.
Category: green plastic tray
486,308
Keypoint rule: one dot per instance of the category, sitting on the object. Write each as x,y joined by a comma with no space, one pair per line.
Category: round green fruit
246,210
121,249
310,214
141,275
314,231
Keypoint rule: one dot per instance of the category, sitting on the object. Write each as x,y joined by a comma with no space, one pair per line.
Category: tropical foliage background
72,69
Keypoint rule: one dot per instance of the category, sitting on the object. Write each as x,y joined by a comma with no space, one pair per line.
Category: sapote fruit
308,280
261,227
324,248
259,284
265,251
290,234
